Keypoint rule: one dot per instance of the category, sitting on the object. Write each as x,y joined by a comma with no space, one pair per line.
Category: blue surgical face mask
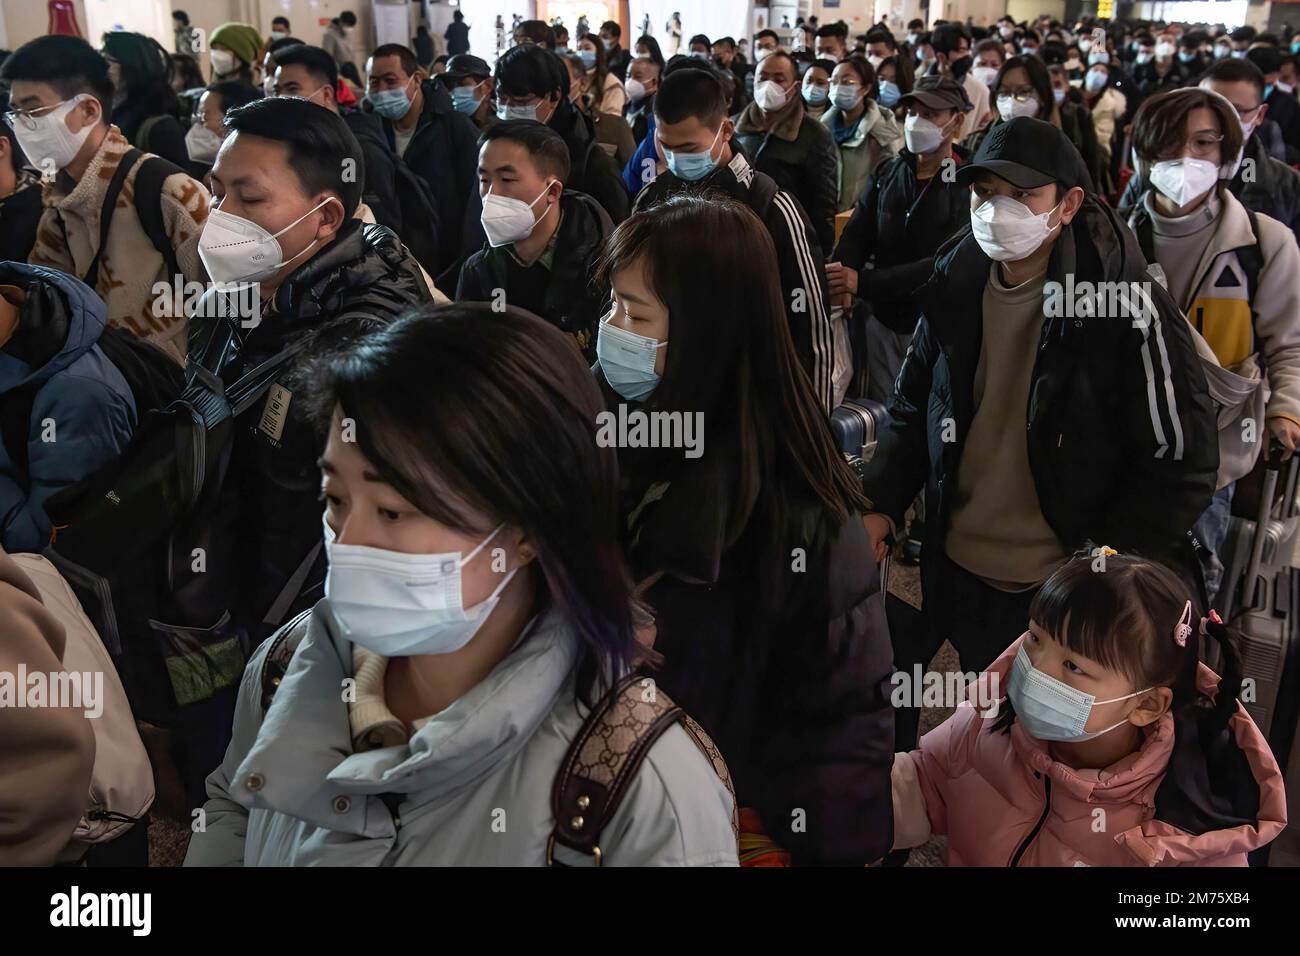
628,361
845,97
1050,709
464,100
889,94
390,104
588,58
815,95
1268,91
1186,57
692,167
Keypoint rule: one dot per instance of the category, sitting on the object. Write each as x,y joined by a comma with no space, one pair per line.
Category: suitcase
857,425
1261,594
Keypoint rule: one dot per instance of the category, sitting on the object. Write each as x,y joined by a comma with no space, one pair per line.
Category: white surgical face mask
1007,230
987,75
762,53
399,605
1164,51
1009,107
770,96
507,220
1183,180
223,61
921,135
1050,709
235,249
1058,95
50,138
202,144
1143,58
635,90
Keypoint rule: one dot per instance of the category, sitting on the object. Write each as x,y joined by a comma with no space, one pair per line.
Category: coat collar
87,195
784,125
303,763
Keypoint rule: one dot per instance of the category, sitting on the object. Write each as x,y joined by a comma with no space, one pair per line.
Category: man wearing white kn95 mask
1039,418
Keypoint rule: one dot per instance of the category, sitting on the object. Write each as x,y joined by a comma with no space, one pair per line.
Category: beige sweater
998,531
68,237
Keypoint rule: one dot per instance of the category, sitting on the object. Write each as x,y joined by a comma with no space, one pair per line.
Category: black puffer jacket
360,282
591,170
380,189
1273,189
899,232
1122,435
573,303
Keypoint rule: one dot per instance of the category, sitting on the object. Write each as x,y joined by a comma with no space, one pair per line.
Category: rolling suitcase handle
1271,469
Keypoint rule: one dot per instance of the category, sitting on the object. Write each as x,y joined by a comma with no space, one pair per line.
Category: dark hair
185,67
839,30
916,24
455,16
145,72
69,65
275,46
690,92
1039,79
313,59
879,34
1267,58
729,42
761,34
17,159
348,18
612,28
528,70
403,53
1160,126
823,64
1242,34
733,360
538,32
234,94
1235,70
417,391
948,37
275,20
990,45
651,44
600,69
780,54
545,146
317,139
866,72
1124,618
701,39
904,74
182,16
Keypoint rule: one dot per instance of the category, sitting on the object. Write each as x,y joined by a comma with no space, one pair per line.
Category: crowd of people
500,395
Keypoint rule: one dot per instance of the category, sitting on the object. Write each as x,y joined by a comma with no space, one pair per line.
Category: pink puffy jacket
1001,797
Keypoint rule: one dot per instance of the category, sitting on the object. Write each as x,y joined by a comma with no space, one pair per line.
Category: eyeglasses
1202,145
1022,95
28,117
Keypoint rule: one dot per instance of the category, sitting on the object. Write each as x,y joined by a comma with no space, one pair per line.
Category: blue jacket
83,413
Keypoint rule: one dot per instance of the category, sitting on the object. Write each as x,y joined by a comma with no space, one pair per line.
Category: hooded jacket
1122,436
573,303
591,170
79,392
894,232
294,791
875,139
1002,799
1273,188
799,154
361,281
46,753
444,152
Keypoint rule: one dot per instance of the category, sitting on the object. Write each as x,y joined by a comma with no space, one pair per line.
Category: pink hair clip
1212,618
1184,629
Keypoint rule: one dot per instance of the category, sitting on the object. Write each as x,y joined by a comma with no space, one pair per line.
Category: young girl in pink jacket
1111,743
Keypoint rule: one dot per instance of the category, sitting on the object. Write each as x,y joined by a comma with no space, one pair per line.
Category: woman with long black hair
477,604
746,533
145,107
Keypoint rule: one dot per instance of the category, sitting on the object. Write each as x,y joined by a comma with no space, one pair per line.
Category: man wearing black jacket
696,139
784,142
533,83
422,126
20,196
911,206
546,269
1038,423
617,57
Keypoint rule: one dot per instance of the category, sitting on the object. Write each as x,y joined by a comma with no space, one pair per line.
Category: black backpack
148,207
148,543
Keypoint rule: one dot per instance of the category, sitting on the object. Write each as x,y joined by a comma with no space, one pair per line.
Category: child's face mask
1050,709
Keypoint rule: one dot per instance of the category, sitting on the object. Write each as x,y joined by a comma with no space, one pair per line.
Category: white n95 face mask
1009,107
770,96
1006,230
1182,180
399,605
1050,709
223,61
921,135
47,137
201,144
507,220
235,249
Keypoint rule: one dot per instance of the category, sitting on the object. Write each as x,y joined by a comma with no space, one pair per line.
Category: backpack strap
15,426
278,656
149,179
1251,259
605,756
114,190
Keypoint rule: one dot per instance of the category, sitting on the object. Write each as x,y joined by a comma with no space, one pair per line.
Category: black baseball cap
939,93
466,64
1028,153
